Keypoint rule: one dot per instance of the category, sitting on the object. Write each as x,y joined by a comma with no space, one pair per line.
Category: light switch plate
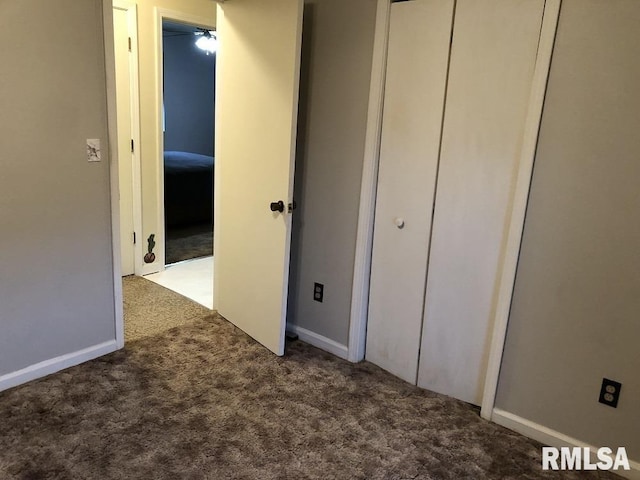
93,149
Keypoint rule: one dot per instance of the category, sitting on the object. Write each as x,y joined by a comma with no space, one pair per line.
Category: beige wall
336,71
56,265
150,139
575,312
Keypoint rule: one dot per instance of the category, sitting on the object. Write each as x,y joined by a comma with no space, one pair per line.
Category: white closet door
492,61
419,39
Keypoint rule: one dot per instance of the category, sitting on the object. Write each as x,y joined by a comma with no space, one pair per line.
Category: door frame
112,132
160,14
114,176
368,188
134,84
515,218
515,225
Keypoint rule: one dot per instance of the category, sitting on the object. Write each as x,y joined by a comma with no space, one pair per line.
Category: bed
188,189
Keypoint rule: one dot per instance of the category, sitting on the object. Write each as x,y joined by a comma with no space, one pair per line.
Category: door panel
419,39
492,61
125,158
257,74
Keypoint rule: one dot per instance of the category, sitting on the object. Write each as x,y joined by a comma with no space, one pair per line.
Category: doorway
187,156
258,147
188,126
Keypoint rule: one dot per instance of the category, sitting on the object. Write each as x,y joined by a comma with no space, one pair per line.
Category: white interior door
419,38
257,75
125,157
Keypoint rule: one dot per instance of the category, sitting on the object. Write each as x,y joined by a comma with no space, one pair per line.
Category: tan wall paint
149,97
574,317
335,77
56,265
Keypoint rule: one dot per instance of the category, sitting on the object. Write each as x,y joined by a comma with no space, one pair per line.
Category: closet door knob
399,222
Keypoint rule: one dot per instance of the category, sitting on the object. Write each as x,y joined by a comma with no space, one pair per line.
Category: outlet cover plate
610,392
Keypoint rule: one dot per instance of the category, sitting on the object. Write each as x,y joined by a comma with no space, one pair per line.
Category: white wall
56,266
574,317
335,77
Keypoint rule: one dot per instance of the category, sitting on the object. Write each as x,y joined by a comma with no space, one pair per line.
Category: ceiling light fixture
207,41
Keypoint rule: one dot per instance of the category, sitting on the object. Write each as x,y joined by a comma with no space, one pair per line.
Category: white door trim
520,198
112,129
159,15
110,73
366,214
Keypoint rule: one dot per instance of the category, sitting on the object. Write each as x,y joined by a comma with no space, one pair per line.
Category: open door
257,75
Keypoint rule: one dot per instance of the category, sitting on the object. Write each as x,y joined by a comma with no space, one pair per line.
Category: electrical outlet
318,292
610,392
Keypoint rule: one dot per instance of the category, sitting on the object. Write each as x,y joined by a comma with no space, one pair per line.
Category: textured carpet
150,308
204,401
188,242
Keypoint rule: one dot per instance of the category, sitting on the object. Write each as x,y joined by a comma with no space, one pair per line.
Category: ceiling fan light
207,43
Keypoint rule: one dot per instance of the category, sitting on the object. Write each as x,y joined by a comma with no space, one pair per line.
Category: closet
457,90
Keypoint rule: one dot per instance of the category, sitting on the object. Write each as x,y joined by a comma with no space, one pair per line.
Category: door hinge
129,39
132,145
134,238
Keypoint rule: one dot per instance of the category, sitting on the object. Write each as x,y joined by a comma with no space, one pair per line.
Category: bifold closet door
492,62
419,39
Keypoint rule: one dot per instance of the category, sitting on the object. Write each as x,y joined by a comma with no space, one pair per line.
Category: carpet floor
150,308
204,401
190,242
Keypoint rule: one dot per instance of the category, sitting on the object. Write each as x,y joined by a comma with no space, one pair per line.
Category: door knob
277,206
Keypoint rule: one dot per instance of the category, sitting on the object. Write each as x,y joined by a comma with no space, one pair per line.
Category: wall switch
93,149
610,392
318,292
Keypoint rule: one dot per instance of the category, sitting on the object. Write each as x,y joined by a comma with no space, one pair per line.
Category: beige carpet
204,401
150,309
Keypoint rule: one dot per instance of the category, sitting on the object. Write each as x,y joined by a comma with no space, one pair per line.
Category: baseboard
56,364
323,343
553,438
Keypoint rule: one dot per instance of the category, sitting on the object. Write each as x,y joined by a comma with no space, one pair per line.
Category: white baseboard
323,343
56,364
553,438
